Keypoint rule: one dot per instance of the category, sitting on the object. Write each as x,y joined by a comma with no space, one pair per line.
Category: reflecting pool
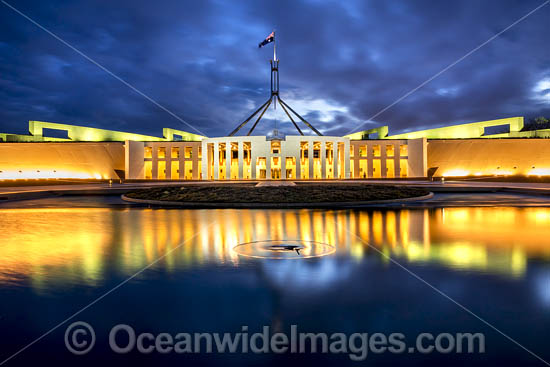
493,261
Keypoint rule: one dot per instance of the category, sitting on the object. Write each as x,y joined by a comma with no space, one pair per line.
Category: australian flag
268,39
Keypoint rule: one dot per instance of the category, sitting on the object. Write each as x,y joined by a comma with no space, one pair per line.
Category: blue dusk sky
341,63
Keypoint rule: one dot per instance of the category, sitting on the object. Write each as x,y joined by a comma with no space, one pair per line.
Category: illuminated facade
475,149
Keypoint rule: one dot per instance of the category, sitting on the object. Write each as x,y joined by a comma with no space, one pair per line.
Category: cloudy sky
342,62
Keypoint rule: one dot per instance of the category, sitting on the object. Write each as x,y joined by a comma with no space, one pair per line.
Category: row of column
181,159
290,149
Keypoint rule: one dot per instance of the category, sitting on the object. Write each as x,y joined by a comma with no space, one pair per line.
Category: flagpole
274,47
274,98
275,64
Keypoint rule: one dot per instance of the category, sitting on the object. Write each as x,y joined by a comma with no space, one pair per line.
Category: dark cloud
341,63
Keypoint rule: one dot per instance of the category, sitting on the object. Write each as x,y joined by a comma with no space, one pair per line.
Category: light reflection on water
73,245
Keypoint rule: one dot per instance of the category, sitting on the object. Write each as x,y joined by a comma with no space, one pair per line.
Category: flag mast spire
274,96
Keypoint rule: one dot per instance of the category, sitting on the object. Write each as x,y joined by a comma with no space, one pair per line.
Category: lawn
248,193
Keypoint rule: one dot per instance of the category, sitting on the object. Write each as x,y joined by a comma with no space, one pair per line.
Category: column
134,160
310,157
155,162
335,159
204,160
298,162
383,157
216,161
323,153
168,163
181,159
241,160
418,162
196,161
283,160
396,165
228,160
346,158
268,164
253,158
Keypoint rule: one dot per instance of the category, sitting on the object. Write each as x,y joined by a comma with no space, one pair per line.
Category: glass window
161,170
175,152
376,150
148,170
175,171
403,168
148,153
389,150
304,149
162,152
403,150
275,147
188,152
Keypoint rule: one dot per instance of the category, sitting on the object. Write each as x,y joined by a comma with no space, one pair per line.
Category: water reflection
79,245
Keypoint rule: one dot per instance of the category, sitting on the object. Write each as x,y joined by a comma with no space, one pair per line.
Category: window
247,146
389,150
148,170
188,152
162,152
329,152
175,170
363,151
363,169
221,152
275,147
188,170
175,152
376,168
390,168
148,152
376,150
403,167
403,150
317,149
161,170
261,167
290,167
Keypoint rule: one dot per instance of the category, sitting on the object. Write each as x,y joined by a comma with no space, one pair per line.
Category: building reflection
47,246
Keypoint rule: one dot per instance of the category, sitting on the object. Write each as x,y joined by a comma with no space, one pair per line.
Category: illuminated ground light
48,174
539,172
456,173
502,172
462,172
